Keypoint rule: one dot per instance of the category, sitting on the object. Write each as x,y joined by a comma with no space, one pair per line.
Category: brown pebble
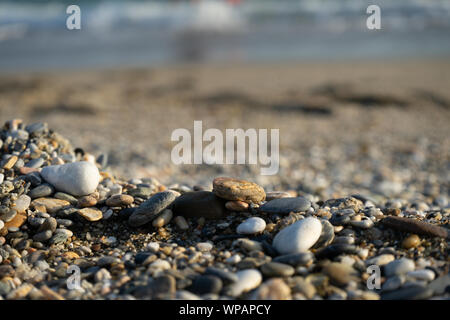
239,206
10,162
235,189
91,214
411,242
415,226
86,201
119,200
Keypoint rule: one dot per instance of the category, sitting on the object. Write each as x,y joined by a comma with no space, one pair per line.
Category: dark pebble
206,284
415,227
413,292
286,205
295,259
226,276
335,250
198,204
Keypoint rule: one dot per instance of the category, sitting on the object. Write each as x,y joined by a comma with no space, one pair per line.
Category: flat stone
247,280
77,178
152,207
286,205
238,206
86,201
277,195
44,190
119,200
91,214
67,197
10,162
393,283
277,269
400,266
298,237
415,226
51,205
251,226
424,274
49,224
235,189
295,259
334,250
17,221
413,292
199,204
43,236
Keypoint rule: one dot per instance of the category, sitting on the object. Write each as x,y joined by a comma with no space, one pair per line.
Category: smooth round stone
327,235
35,163
86,201
43,236
163,219
286,205
44,190
240,190
22,203
380,260
199,204
277,269
59,237
251,226
150,209
181,223
238,206
91,214
340,274
2,224
67,197
248,279
393,283
119,200
295,259
206,284
400,266
411,241
8,215
48,224
424,274
273,289
298,237
77,178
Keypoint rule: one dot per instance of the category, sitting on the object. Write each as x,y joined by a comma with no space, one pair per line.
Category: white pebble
424,274
204,246
298,237
247,280
251,226
153,247
160,264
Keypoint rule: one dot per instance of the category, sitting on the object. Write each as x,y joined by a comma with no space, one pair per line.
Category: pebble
304,287
86,201
414,226
414,292
51,205
424,274
225,276
43,236
153,247
119,200
35,163
334,250
326,236
160,264
91,214
67,197
411,241
277,195
205,284
22,203
248,279
380,260
340,273
204,246
181,223
77,178
199,204
10,162
238,206
2,224
251,226
298,237
273,289
49,223
393,283
163,219
277,269
400,266
286,205
41,191
440,285
296,259
239,190
150,209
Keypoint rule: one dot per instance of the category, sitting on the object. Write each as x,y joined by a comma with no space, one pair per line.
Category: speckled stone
235,189
286,205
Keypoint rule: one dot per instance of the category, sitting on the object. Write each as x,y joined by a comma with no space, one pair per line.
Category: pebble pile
139,239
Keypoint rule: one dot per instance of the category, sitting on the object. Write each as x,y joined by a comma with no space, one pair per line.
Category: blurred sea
33,34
